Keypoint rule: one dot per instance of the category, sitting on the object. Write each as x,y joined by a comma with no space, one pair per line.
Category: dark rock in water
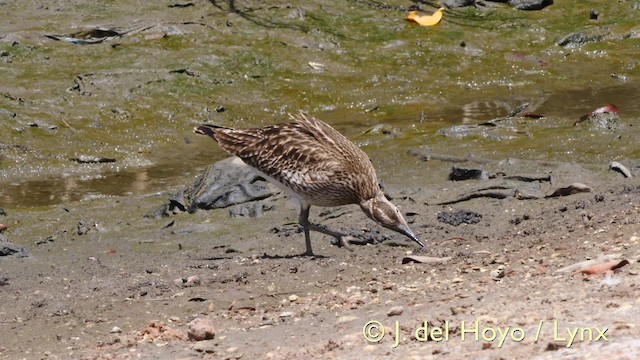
460,174
89,159
604,121
458,217
456,3
577,39
530,4
226,183
2,212
10,249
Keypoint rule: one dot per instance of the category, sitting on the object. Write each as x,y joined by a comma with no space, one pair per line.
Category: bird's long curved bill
408,233
415,238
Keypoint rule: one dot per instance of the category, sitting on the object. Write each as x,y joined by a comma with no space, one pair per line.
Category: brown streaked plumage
316,164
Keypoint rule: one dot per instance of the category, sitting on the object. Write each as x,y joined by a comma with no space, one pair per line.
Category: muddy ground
105,282
100,264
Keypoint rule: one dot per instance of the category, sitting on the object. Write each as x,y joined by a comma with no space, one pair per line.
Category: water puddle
551,138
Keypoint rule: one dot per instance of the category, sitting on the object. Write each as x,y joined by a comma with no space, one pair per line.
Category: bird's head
382,211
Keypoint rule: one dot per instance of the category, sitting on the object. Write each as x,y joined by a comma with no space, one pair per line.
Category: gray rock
224,184
577,39
2,212
251,209
530,4
10,249
456,3
460,174
200,329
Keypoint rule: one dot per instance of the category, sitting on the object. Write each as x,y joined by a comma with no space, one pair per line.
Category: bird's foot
308,253
344,240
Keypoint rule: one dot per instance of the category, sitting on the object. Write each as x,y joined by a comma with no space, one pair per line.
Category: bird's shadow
266,256
294,256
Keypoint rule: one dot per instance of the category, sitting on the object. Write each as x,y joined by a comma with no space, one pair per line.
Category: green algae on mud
136,98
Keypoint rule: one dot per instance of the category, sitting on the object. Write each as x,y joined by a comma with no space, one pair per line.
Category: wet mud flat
103,281
533,241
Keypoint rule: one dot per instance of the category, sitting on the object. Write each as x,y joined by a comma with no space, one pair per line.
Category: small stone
193,280
293,298
115,330
498,273
200,329
345,319
457,280
395,311
286,314
388,286
206,346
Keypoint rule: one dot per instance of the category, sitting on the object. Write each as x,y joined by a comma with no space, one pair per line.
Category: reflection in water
34,193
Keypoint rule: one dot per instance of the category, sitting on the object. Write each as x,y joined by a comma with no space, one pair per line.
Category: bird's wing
307,156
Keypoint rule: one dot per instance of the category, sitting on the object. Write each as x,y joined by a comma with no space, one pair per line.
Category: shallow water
388,85
551,138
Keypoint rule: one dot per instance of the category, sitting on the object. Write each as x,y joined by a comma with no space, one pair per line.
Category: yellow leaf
426,20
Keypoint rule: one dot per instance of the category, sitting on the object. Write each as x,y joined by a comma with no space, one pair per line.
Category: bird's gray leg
304,221
343,239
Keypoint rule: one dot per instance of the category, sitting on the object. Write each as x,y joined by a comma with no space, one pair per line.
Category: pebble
206,346
395,311
498,273
345,319
201,329
293,298
192,280
115,330
286,314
